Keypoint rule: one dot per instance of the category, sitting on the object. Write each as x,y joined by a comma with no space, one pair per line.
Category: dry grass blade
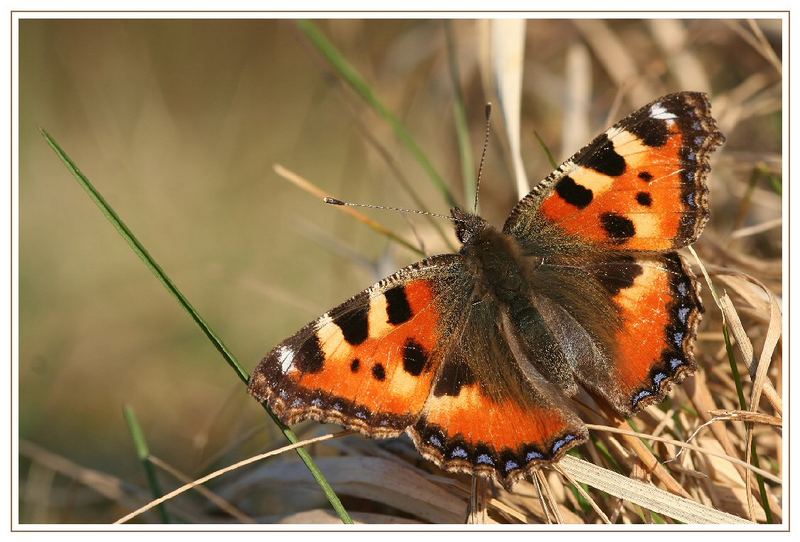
682,444
731,317
225,470
525,500
633,445
745,285
479,492
508,511
537,483
759,372
760,376
766,48
757,228
758,42
314,190
505,56
547,496
575,130
645,495
738,416
322,517
672,38
385,481
221,503
616,59
110,487
746,416
579,488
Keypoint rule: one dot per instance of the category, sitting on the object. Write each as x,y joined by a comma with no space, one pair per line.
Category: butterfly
476,354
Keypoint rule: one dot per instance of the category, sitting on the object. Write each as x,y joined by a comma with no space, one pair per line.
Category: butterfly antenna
334,201
488,113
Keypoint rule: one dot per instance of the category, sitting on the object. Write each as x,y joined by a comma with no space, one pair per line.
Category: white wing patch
657,111
286,358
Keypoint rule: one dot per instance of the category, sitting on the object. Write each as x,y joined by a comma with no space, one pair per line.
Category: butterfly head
467,224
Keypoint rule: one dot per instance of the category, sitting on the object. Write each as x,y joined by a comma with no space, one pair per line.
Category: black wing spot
455,375
310,357
644,198
652,132
414,357
397,308
646,176
618,275
378,372
574,193
354,324
618,227
355,364
604,159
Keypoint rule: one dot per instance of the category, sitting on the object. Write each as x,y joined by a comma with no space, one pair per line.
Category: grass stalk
762,490
143,453
156,269
360,86
460,119
550,158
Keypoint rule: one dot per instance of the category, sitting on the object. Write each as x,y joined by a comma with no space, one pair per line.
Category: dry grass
703,455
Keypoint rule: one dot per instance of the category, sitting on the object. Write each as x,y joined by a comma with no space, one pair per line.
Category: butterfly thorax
494,258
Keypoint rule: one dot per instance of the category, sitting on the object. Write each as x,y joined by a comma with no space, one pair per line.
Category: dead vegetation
710,453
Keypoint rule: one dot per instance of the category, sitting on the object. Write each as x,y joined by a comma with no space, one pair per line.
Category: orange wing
421,352
369,364
490,411
638,186
659,308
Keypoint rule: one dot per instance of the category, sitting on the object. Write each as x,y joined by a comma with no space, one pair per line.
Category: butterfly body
477,354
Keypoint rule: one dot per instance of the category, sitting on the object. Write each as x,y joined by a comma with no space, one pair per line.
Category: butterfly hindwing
486,414
368,364
639,186
625,324
659,304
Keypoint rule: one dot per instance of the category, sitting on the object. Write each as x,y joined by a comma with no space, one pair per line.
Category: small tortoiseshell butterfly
474,353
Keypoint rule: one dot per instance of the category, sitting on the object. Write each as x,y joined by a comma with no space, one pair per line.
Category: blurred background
179,123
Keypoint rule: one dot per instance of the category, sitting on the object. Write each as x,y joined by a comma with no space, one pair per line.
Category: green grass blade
143,453
546,149
460,118
762,490
360,86
776,184
140,251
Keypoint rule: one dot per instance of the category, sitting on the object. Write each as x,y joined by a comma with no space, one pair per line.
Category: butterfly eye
466,224
463,232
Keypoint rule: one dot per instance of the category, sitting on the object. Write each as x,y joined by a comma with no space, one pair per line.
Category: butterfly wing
490,412
660,308
420,351
369,364
600,232
626,324
639,186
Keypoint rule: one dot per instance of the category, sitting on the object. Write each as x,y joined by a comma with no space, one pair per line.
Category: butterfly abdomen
507,275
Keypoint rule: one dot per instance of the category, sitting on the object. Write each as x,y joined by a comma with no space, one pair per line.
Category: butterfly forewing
369,364
638,186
